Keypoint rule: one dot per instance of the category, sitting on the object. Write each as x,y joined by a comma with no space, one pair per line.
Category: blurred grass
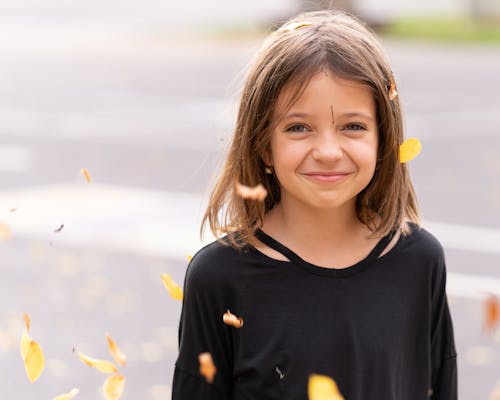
450,29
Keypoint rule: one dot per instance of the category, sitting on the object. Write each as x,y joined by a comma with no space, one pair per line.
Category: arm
444,356
201,330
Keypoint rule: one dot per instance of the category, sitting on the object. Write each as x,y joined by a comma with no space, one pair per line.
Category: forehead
324,85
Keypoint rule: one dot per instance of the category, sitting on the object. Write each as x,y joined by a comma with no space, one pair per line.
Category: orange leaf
5,232
409,150
207,366
118,356
258,192
172,287
322,387
393,93
85,173
26,318
104,366
67,396
232,320
113,387
491,313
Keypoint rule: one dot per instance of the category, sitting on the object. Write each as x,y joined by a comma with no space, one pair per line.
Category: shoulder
420,241
214,262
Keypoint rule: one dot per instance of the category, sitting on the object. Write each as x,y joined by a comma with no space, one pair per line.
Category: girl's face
324,149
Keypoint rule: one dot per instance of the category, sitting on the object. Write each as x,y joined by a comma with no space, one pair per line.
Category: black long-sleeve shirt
380,328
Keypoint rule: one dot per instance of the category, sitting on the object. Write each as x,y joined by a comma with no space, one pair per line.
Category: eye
353,127
297,128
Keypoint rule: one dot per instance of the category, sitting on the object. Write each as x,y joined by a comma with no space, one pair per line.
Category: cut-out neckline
316,269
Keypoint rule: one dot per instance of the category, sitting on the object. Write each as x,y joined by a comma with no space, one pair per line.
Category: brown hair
292,54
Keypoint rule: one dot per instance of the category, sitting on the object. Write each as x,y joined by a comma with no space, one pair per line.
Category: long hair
292,54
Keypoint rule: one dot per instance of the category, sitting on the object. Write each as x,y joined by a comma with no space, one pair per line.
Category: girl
331,274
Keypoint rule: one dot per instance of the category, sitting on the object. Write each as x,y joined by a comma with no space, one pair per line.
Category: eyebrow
349,115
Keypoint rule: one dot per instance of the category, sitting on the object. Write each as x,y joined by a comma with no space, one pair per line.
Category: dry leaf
118,356
13,210
190,257
104,366
67,396
409,150
5,232
207,367
59,229
85,173
491,313
291,26
393,93
172,287
232,320
31,353
258,192
27,321
113,387
322,387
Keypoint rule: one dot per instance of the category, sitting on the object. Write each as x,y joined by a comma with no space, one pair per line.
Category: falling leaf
258,192
27,320
67,396
232,320
118,356
409,150
59,229
5,232
113,387
104,366
190,257
207,367
172,287
85,173
491,313
31,353
13,210
393,93
322,387
291,26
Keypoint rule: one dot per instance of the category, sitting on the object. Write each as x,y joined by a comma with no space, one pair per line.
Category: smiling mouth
327,176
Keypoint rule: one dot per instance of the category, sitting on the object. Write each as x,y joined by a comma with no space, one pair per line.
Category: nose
327,147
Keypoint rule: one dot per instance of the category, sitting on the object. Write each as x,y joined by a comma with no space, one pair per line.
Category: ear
267,158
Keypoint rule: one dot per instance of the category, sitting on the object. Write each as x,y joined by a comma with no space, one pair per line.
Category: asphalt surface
149,115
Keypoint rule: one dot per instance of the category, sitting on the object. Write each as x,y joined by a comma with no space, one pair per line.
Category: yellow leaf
67,396
118,356
190,257
409,150
85,173
172,287
34,361
104,366
5,232
25,343
322,387
113,387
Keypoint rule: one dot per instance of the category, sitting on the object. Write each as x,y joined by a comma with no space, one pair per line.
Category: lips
326,176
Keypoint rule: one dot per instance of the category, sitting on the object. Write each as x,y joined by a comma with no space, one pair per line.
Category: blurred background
143,95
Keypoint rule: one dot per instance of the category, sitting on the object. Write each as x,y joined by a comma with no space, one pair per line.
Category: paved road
149,115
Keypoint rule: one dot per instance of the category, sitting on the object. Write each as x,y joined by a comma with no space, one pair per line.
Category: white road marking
166,224
15,158
468,238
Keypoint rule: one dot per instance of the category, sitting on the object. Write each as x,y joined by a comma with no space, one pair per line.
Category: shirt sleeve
443,353
201,330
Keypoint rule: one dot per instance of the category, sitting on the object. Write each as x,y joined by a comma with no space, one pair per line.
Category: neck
312,228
